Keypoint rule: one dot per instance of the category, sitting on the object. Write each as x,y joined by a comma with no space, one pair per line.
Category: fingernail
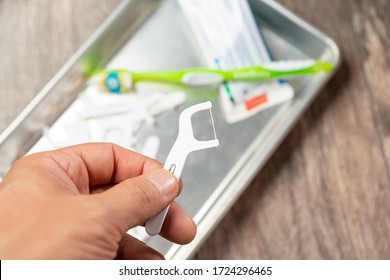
163,180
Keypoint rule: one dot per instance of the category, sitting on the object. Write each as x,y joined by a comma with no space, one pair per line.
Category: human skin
79,202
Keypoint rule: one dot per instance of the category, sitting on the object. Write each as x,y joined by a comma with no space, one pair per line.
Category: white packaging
229,38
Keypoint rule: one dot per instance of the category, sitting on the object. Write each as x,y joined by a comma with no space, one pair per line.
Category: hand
79,202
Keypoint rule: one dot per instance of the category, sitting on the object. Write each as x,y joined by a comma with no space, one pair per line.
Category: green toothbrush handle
267,71
282,69
122,80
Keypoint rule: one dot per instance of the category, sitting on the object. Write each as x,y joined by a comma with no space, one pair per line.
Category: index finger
102,163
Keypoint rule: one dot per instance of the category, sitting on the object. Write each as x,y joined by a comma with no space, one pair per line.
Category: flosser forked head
186,133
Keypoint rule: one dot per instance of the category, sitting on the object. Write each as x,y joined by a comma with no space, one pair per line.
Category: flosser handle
154,225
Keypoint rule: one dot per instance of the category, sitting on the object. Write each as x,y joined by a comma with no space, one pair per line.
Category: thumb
134,201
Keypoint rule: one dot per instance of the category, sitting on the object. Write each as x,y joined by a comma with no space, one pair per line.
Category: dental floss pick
184,145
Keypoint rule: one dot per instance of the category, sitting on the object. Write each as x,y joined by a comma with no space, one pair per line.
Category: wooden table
325,193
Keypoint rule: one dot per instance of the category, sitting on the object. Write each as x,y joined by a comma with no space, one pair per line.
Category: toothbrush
121,80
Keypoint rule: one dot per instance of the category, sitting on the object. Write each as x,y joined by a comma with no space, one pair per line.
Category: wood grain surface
324,194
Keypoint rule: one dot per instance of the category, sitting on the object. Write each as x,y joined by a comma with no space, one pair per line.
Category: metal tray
154,35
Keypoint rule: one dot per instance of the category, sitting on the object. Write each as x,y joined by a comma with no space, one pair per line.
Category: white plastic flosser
184,145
